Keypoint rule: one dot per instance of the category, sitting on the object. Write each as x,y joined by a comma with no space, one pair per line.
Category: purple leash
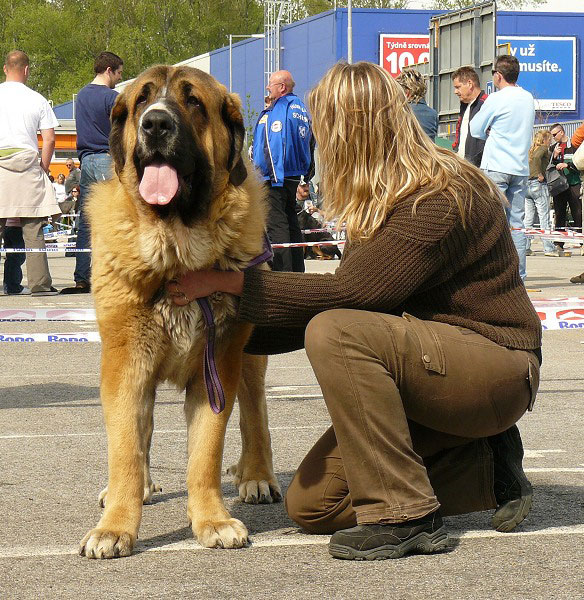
212,382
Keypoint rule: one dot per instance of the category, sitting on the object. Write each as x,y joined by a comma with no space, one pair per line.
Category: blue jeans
538,198
514,188
94,168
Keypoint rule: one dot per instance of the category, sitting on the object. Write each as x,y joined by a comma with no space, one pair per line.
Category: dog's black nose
157,123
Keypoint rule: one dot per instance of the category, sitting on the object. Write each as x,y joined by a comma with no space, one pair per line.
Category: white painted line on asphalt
277,397
540,453
286,388
321,426
555,470
296,540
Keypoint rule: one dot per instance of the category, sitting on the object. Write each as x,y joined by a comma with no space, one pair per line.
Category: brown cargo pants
411,402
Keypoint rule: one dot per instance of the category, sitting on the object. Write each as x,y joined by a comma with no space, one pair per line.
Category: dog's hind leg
211,522
126,389
150,488
253,475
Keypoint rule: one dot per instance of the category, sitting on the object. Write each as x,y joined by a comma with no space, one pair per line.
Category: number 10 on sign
400,50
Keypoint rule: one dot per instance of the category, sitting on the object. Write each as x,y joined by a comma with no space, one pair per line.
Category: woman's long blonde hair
541,138
373,153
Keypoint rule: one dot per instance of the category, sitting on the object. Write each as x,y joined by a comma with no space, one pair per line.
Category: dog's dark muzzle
158,126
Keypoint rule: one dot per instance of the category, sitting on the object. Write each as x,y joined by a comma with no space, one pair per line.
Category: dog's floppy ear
231,113
116,137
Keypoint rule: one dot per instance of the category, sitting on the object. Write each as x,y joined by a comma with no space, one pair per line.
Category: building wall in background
313,45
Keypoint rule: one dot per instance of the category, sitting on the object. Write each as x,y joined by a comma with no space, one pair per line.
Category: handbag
556,180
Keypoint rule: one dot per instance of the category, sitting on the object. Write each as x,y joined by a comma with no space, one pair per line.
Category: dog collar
213,384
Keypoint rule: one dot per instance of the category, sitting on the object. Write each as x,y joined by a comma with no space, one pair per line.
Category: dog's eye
142,99
193,101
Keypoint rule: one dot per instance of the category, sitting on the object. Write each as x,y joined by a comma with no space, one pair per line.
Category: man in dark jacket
468,88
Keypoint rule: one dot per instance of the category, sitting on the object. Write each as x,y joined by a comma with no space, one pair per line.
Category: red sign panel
402,49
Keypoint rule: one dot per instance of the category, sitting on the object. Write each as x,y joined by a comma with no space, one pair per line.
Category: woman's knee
306,508
298,508
322,331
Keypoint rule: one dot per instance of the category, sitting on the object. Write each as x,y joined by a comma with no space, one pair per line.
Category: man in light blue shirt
506,122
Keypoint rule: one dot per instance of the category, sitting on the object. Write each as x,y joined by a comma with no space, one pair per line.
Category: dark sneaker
390,540
513,491
81,287
578,278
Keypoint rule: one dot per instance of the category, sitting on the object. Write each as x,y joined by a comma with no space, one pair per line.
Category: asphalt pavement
53,465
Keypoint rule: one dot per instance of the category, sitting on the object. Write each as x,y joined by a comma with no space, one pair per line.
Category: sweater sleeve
578,137
483,119
376,275
543,158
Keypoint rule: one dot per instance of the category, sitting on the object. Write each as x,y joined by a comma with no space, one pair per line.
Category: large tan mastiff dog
182,199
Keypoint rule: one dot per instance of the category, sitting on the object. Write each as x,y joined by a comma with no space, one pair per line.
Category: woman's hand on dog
199,284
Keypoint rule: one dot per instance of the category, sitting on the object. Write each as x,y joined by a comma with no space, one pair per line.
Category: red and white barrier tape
558,236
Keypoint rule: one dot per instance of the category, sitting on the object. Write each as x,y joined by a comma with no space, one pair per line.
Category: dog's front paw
149,491
226,533
103,543
257,488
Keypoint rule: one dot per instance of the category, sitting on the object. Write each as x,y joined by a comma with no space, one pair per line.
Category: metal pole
350,33
230,63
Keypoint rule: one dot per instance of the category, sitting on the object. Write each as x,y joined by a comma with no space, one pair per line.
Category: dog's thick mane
144,251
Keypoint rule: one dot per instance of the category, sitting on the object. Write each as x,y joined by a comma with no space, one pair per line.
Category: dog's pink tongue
159,184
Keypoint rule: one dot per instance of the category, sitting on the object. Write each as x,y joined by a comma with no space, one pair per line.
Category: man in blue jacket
282,153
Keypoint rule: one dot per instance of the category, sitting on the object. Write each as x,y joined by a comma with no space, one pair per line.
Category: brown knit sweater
426,264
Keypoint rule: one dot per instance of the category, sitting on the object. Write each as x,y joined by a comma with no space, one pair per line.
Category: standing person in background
74,176
414,86
562,152
93,108
507,118
59,187
282,151
538,198
467,87
27,192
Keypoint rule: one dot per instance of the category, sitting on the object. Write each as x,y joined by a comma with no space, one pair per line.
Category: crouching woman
424,341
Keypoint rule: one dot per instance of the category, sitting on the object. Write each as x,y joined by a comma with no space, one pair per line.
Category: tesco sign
400,50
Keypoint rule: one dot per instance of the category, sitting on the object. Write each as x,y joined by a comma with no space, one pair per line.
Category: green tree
62,37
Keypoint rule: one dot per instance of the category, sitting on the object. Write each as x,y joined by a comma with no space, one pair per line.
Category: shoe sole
423,543
510,514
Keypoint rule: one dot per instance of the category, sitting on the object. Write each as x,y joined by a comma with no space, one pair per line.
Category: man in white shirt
27,192
508,116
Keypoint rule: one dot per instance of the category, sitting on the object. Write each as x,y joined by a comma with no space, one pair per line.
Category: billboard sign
548,69
402,49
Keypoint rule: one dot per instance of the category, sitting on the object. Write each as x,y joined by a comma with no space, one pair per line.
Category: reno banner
548,69
402,49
